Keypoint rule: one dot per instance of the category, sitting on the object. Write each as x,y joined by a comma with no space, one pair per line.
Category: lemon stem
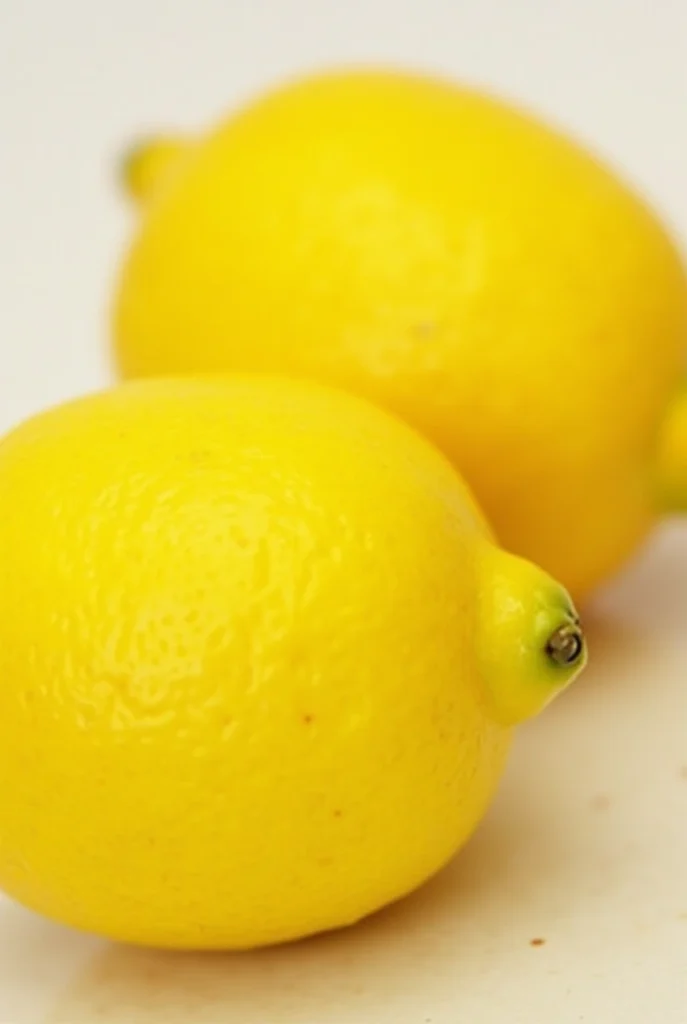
566,645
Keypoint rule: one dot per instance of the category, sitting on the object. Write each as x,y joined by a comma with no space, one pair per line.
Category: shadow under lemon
340,976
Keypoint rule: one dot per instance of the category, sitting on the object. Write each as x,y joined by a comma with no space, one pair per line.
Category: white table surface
586,847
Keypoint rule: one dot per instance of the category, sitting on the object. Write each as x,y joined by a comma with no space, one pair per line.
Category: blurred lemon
260,661
445,255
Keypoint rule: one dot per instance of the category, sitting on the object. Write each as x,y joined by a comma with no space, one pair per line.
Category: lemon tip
146,162
671,470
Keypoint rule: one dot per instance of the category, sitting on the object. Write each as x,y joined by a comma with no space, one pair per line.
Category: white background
588,844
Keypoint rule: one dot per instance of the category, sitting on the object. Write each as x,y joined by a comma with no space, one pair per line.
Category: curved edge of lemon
671,463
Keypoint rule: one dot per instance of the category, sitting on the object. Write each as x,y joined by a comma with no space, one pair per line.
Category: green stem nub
566,645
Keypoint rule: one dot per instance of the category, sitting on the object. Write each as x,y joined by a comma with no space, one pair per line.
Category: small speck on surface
198,456
425,329
307,719
600,802
537,942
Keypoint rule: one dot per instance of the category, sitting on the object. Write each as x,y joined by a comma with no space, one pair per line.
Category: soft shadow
638,618
350,975
616,648
652,590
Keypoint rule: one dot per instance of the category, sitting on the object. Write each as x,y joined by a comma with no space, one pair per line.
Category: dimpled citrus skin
240,631
446,256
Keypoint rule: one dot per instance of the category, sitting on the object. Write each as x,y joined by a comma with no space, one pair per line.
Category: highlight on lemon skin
531,626
671,467
148,162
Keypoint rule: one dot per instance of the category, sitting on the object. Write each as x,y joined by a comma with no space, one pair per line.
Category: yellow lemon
260,661
447,256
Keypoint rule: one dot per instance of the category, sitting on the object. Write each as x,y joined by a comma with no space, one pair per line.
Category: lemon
261,661
445,255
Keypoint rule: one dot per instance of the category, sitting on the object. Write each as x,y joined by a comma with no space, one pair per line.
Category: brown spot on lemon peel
308,719
425,329
537,942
